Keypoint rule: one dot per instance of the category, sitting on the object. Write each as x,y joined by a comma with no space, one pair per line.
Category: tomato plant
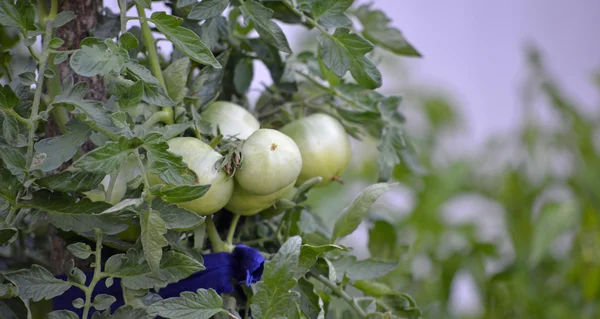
123,168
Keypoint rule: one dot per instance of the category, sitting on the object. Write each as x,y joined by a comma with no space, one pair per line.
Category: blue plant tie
223,270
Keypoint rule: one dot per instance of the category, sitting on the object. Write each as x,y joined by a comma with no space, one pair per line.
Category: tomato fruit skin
324,145
232,119
201,159
247,204
270,162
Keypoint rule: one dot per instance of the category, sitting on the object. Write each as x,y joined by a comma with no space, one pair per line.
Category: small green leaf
185,40
97,60
330,13
553,220
273,297
153,230
78,303
62,18
344,51
27,78
207,85
176,217
243,74
56,43
353,215
13,159
10,129
310,302
51,152
80,250
9,186
208,9
373,288
169,166
146,4
128,41
14,308
7,234
181,193
176,76
203,304
49,73
363,269
154,93
212,30
37,283
109,157
132,96
309,255
67,181
103,301
8,98
266,28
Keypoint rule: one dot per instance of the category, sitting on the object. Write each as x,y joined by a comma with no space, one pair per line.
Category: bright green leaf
169,166
203,304
181,193
128,41
176,217
109,157
56,43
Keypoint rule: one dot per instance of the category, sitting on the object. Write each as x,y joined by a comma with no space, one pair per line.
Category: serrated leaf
37,283
13,160
109,157
208,9
176,217
129,312
68,214
185,40
52,152
310,302
103,301
212,30
128,41
309,255
10,129
153,230
377,29
97,60
21,16
8,98
330,13
67,181
389,146
353,215
14,308
62,18
203,304
207,85
176,75
273,297
266,28
181,193
344,51
80,250
132,96
154,93
243,74
169,166
62,314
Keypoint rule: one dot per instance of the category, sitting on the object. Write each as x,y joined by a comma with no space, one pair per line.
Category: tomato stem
337,179
232,227
213,235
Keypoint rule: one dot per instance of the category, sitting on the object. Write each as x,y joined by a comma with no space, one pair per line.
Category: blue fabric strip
223,271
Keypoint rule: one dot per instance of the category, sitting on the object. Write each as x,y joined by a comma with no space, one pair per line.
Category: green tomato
128,171
245,203
232,119
324,145
201,159
270,162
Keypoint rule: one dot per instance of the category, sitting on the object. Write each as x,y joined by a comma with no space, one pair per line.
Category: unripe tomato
270,162
232,119
324,145
245,203
201,159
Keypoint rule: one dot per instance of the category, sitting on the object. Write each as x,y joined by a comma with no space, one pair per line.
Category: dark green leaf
128,41
330,13
185,40
97,60
27,78
309,255
377,29
207,86
176,217
185,3
153,230
266,28
212,30
108,25
62,314
7,234
243,74
51,152
37,283
14,308
68,214
21,16
62,18
109,157
353,215
154,93
10,129
103,301
8,98
181,193
67,181
208,9
169,166
273,297
203,304
176,76
147,4
344,51
14,160
132,96
80,250
9,186
309,300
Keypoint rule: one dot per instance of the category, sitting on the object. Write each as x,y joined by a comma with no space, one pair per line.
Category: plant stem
143,170
232,227
342,294
161,116
18,117
123,13
213,235
97,276
308,19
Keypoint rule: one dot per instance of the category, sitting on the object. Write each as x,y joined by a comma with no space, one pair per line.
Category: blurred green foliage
520,215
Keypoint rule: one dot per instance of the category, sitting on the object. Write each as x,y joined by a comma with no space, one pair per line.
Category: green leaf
169,166
80,250
8,290
60,58
273,297
109,157
181,193
309,255
62,314
67,181
13,160
553,220
7,234
212,30
176,76
207,86
37,283
185,40
373,288
103,301
128,41
68,214
266,28
185,3
62,18
27,78
14,308
243,74
154,93
51,152
382,240
389,146
363,269
377,29
9,186
129,312
21,16
56,43
176,217
208,9
49,73
344,51
10,129
353,215
8,98
153,230
203,304
97,60
310,302
330,13
132,96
